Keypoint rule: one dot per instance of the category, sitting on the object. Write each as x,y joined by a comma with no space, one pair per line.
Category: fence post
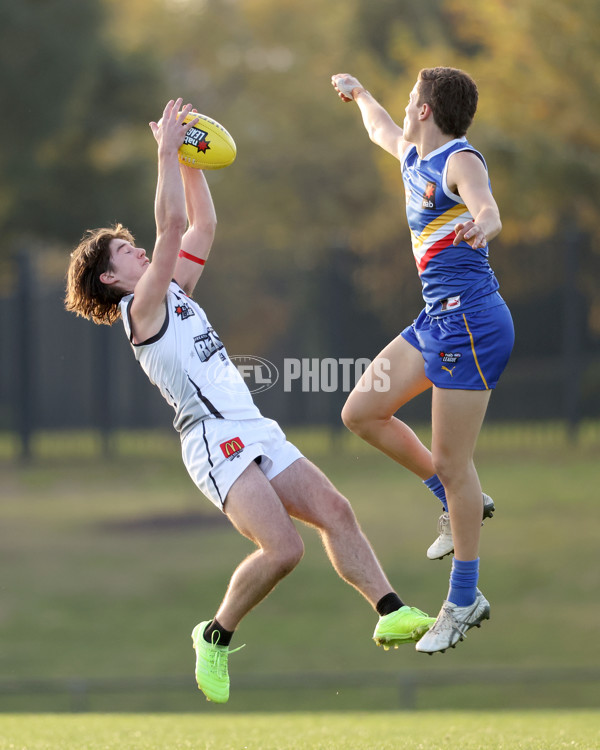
102,391
25,388
78,695
573,320
408,692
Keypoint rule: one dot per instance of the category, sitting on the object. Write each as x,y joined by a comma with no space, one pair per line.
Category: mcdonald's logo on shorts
232,448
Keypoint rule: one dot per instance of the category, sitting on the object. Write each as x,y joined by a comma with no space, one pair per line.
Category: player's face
128,264
411,118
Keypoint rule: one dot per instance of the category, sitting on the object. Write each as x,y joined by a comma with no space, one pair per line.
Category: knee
336,511
341,510
450,471
348,417
441,467
288,554
354,419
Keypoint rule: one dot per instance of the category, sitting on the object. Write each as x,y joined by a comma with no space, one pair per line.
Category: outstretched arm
147,310
380,127
197,241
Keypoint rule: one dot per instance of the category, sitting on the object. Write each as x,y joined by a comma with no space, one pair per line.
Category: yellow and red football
207,144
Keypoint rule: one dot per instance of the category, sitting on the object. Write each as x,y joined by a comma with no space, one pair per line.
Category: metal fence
405,690
60,372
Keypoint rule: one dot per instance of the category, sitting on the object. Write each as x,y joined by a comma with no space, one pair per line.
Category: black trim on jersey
210,461
209,405
172,398
157,336
181,290
471,150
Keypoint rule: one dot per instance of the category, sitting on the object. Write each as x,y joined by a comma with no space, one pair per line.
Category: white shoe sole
484,615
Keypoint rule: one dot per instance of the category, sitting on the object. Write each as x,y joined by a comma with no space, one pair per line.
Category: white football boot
444,544
452,624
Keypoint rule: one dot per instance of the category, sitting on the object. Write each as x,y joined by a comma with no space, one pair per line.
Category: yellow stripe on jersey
440,221
475,353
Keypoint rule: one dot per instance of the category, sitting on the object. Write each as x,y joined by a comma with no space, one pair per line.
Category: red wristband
183,254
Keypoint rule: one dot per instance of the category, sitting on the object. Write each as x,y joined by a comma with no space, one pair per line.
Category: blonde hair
85,294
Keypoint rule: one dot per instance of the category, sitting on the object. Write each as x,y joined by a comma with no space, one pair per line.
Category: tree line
80,81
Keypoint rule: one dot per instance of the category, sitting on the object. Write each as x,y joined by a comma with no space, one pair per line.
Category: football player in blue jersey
460,343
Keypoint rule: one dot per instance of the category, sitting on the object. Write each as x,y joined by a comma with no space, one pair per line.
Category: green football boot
405,625
212,675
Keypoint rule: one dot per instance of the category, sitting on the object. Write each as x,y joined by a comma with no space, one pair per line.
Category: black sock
223,637
389,603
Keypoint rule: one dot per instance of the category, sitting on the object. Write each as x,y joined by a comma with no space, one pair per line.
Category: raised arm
147,310
197,241
380,127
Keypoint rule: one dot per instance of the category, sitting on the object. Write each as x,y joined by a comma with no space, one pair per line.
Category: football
207,144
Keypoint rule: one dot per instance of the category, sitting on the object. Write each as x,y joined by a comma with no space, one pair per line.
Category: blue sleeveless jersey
453,278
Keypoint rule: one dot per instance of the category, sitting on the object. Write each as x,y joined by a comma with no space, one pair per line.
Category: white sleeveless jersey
189,364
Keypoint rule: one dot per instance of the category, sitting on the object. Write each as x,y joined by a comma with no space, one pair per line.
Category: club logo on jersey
232,448
197,138
184,311
207,344
429,195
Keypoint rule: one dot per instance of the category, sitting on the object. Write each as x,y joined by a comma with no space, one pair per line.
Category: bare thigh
405,370
309,495
457,416
254,508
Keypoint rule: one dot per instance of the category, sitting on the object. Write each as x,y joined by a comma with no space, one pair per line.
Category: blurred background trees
73,106
312,243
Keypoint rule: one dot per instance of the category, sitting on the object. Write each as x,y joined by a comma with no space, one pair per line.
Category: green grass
325,731
90,590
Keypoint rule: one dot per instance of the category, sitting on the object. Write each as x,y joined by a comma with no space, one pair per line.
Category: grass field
108,565
325,731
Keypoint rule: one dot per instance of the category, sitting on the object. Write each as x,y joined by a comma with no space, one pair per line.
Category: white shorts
217,451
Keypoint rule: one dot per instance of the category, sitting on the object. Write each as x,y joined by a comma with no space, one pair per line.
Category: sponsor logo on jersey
232,448
451,303
184,311
429,195
207,344
450,358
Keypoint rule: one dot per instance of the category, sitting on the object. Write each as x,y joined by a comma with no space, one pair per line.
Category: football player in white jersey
239,459
460,343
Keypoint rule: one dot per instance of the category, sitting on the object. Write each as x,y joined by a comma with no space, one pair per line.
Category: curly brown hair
452,95
85,294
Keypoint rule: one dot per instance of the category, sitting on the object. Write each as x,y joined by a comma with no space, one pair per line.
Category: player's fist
345,84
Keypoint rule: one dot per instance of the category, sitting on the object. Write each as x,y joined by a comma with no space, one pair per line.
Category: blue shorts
467,351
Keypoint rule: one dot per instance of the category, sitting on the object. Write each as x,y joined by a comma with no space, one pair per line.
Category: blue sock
463,582
437,488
